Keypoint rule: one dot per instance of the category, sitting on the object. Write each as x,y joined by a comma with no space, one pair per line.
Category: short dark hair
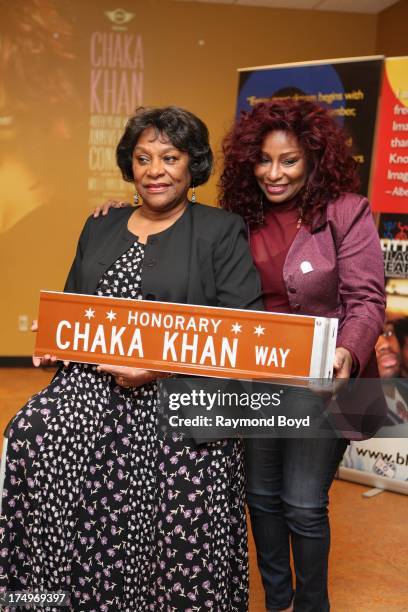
185,131
401,330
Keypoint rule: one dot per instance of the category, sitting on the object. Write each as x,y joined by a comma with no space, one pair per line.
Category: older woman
289,173
95,502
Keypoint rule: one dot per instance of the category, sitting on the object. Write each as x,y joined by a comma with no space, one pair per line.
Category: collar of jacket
319,221
119,242
124,237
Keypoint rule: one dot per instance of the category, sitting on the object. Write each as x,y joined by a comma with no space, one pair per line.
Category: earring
300,218
260,217
136,199
193,195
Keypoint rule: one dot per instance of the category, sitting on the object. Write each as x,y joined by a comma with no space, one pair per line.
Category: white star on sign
89,313
259,330
111,315
236,328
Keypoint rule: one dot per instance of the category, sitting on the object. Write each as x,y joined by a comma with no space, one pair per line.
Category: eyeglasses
388,333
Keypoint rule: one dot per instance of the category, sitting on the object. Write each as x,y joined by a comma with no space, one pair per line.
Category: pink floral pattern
97,504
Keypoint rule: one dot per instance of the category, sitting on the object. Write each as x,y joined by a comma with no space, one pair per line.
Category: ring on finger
125,384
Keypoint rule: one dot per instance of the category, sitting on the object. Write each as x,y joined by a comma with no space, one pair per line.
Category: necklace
261,216
300,219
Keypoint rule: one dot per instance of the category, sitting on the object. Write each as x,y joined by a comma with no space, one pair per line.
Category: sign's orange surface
180,338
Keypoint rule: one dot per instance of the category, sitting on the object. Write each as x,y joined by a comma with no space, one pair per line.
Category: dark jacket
203,258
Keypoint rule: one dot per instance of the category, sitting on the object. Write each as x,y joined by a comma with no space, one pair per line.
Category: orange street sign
199,340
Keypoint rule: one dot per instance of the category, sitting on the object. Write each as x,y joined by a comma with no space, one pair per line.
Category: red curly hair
331,167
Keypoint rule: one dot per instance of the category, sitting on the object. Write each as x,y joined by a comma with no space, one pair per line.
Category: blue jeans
288,481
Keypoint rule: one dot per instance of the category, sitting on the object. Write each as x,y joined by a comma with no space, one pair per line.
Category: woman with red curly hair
290,173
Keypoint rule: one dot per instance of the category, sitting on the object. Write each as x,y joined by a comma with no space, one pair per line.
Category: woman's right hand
104,208
47,360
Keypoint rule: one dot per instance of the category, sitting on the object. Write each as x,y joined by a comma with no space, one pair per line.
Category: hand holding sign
343,362
47,360
130,377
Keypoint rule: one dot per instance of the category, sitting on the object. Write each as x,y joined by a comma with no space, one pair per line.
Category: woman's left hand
103,209
343,362
129,377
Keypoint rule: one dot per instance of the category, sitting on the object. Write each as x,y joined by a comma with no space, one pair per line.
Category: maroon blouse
269,246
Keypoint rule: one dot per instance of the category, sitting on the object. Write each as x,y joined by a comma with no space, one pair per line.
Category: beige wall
392,30
36,251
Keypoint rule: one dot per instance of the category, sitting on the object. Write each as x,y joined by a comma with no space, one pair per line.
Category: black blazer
203,258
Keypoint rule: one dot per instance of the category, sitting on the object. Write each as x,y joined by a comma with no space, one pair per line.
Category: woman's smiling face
282,169
161,171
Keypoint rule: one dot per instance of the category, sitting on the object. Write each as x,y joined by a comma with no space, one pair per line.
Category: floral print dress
97,504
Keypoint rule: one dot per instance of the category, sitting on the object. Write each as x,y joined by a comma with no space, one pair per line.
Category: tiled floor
369,556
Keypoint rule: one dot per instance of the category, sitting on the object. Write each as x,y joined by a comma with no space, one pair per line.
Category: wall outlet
23,323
